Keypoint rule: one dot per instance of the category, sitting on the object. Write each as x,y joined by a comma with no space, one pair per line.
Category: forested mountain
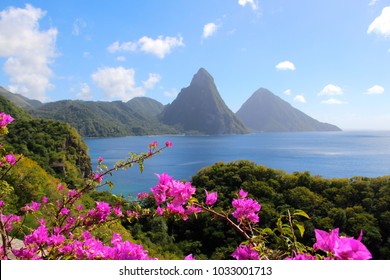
264,111
107,119
54,145
19,100
200,109
146,106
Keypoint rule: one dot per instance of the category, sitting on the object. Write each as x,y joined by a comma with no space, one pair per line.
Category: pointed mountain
264,111
200,109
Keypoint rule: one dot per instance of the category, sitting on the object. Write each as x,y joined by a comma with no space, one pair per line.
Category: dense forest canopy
54,152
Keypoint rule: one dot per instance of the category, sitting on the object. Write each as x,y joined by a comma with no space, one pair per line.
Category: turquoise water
328,154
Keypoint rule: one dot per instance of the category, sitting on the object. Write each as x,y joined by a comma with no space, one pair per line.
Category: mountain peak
199,108
202,77
265,111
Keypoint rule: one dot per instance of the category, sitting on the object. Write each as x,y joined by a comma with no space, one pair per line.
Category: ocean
328,154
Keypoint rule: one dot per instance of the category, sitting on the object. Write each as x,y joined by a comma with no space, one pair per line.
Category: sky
327,58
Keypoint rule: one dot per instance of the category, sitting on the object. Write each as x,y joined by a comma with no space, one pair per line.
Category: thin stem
226,218
292,231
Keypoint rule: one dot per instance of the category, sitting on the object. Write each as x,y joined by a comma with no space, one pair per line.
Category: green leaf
300,227
301,213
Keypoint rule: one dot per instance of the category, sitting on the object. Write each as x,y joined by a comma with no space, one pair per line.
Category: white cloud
171,93
209,29
85,92
152,80
78,25
333,101
331,90
159,47
381,24
287,92
285,65
121,58
373,2
375,90
125,47
28,50
300,98
252,3
120,83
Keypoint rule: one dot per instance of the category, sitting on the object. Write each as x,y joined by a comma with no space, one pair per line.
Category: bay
328,154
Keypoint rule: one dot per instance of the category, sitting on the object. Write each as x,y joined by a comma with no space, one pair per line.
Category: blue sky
328,58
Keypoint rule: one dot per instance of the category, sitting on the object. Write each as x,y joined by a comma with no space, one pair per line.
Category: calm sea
328,154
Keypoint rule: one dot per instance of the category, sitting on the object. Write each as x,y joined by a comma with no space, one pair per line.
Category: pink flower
246,210
45,200
142,195
10,158
60,187
34,206
351,249
344,248
242,193
245,252
1,203
153,145
5,119
181,192
103,209
39,236
159,211
117,211
72,193
160,191
8,221
326,241
100,159
132,214
189,258
64,211
168,144
56,239
98,177
211,198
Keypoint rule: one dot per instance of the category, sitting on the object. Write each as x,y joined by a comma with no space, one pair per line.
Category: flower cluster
5,119
337,247
87,247
341,247
245,252
172,197
246,209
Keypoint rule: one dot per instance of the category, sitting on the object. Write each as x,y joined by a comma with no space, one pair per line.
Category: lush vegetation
53,181
349,204
106,119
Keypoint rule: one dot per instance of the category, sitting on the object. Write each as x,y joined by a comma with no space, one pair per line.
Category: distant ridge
199,109
264,111
20,100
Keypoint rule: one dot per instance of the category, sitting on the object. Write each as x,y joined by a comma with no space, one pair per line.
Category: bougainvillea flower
211,198
245,252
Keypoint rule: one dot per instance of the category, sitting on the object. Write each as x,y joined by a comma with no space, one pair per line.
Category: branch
226,218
